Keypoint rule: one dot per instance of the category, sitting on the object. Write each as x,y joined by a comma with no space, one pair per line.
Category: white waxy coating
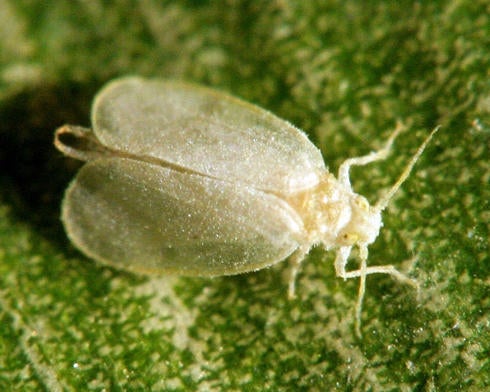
148,218
207,132
189,180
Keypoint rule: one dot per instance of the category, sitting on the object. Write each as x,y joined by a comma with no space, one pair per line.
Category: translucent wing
144,217
207,132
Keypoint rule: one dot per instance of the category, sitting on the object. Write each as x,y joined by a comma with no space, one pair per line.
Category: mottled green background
344,71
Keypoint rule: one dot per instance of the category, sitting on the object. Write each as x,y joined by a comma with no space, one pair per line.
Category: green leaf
345,72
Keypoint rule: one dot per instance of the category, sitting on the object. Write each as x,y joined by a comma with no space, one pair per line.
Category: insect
185,179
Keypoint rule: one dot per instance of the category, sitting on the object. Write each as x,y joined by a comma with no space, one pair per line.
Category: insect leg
373,156
340,263
296,259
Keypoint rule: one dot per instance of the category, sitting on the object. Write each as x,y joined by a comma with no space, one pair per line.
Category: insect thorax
333,215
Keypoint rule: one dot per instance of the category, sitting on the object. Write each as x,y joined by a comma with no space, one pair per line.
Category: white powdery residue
47,375
169,312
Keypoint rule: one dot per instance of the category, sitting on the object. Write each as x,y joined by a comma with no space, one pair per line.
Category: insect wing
148,218
205,131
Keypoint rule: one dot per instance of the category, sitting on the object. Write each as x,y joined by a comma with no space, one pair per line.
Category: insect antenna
383,202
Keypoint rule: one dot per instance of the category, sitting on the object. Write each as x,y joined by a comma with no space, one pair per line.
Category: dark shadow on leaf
33,174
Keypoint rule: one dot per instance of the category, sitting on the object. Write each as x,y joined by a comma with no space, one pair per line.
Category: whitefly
185,179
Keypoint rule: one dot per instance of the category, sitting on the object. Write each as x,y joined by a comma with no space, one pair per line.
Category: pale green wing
145,218
205,131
